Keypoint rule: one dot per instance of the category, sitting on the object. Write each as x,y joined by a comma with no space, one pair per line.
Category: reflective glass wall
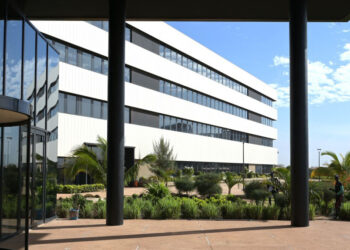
28,71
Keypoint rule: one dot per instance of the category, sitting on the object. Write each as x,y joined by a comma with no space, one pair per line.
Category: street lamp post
319,157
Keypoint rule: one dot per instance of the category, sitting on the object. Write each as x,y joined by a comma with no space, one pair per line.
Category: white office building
215,115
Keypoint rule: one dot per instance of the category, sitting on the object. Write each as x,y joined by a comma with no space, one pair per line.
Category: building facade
28,72
214,114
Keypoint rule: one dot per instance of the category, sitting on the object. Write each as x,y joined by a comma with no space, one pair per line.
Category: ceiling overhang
190,10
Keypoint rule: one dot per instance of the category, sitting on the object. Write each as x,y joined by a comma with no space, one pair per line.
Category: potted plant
78,201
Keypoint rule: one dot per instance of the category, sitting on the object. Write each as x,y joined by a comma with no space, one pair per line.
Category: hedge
69,189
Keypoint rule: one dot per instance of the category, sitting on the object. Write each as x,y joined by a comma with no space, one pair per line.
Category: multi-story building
215,115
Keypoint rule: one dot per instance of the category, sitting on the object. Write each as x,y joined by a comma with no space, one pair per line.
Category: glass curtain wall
28,71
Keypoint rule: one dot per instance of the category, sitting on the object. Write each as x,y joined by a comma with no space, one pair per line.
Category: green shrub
63,207
188,171
312,211
260,195
251,187
147,209
345,211
99,209
69,189
208,184
78,201
285,213
189,209
157,191
184,184
143,182
232,198
167,208
210,211
132,210
271,213
347,196
281,200
232,211
88,211
254,212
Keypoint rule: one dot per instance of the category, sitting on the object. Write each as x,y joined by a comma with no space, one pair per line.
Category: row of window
189,95
77,105
193,96
182,125
83,106
81,58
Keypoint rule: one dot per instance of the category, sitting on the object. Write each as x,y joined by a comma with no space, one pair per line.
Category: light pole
319,157
8,149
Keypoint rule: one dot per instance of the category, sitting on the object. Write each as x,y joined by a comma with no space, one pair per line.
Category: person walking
339,194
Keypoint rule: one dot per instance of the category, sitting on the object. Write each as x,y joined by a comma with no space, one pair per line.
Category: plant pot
74,214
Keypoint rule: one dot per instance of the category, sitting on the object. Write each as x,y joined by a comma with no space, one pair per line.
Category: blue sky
263,50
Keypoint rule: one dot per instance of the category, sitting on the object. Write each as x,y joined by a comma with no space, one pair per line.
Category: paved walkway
186,234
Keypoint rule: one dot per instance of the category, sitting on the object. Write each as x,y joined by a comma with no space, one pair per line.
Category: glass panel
179,59
173,56
13,58
29,63
161,50
166,122
167,53
96,109
97,64
62,51
127,115
161,121
184,93
189,95
173,90
167,88
1,52
195,128
41,82
161,86
10,180
127,74
105,67
87,61
105,110
71,104
72,56
194,97
127,34
38,179
179,91
179,125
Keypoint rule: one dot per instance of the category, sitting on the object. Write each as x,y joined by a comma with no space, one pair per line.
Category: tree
164,166
341,167
244,174
322,171
85,160
231,180
132,173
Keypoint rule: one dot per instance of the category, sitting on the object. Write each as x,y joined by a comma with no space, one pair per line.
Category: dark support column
28,168
298,113
115,123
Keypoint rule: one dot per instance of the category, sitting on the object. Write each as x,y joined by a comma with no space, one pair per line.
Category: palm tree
231,180
132,173
85,160
164,166
340,167
322,171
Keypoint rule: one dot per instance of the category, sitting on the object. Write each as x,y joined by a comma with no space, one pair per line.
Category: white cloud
345,56
280,60
346,30
325,84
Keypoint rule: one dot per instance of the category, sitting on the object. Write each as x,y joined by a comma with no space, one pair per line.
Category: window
161,121
173,123
127,74
86,61
97,64
173,90
96,109
189,95
161,86
173,56
105,67
62,50
194,127
127,115
167,53
179,59
167,122
184,93
127,34
86,107
179,92
71,104
161,50
179,125
72,56
167,88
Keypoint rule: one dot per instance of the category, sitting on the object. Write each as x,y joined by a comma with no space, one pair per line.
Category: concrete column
115,122
298,113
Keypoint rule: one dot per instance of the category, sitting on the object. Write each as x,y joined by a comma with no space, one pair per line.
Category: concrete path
186,234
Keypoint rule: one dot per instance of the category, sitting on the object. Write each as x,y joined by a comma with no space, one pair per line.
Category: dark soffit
176,10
